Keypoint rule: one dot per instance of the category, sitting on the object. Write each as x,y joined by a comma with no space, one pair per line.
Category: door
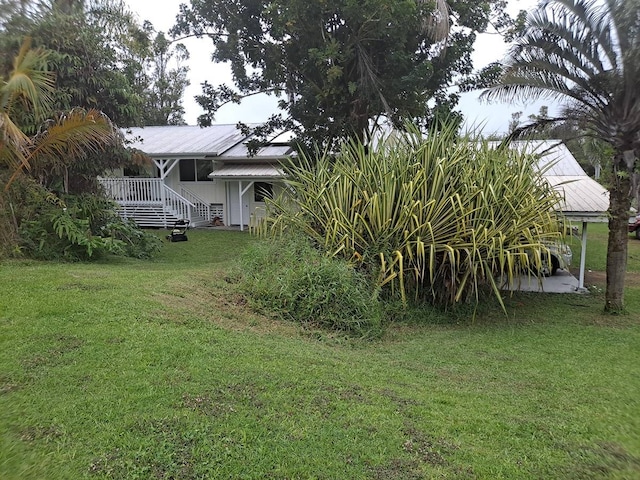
233,188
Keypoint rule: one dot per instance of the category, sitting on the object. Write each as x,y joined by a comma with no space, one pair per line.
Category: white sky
492,118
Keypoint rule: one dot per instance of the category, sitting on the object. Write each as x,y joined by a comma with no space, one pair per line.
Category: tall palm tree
586,54
26,95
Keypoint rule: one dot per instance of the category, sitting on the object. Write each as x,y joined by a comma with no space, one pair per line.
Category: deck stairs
151,203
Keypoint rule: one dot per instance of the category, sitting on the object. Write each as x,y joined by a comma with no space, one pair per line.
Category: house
204,175
207,175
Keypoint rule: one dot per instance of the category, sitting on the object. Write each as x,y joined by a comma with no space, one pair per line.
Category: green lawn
131,369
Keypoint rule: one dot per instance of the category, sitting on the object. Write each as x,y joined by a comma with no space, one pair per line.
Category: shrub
435,219
289,277
74,227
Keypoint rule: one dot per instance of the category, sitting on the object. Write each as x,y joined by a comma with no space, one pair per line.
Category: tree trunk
619,204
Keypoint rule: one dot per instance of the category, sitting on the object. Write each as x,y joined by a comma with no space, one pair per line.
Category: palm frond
69,137
586,55
28,82
12,141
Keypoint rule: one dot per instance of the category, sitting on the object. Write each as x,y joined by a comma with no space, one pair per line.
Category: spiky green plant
438,219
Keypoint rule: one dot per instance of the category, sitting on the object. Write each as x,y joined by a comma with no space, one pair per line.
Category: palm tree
586,54
26,95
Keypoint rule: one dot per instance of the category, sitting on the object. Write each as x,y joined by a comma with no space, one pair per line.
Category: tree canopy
103,58
37,217
339,65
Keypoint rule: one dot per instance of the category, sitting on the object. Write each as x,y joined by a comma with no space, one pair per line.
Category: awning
247,172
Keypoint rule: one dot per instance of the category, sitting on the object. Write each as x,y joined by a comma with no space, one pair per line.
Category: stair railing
177,204
202,208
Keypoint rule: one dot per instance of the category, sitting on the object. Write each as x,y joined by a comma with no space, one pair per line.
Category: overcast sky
493,118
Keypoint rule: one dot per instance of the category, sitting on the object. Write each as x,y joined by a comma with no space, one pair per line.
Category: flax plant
435,219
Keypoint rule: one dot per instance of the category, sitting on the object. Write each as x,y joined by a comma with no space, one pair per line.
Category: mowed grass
131,369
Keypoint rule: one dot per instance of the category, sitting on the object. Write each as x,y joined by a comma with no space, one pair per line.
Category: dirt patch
47,433
173,456
225,400
603,461
599,279
56,354
8,385
212,298
422,452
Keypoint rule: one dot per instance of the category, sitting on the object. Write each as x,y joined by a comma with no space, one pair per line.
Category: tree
586,54
65,137
103,59
163,96
34,218
339,65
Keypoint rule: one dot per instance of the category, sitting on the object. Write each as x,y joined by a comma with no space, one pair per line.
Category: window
262,190
195,170
133,171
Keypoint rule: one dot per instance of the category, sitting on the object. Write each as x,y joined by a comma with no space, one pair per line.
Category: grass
158,369
597,234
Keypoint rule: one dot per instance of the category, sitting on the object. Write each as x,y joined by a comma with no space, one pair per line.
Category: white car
559,256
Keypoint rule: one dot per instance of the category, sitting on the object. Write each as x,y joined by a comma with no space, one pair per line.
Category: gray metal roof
555,157
584,199
582,196
240,151
187,141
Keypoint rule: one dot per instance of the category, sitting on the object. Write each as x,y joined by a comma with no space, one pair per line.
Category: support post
583,256
240,192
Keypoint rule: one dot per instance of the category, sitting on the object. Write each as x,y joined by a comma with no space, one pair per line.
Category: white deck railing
133,190
147,191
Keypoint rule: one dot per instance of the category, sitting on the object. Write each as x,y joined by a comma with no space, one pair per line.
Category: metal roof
584,199
555,158
188,141
274,151
247,171
582,196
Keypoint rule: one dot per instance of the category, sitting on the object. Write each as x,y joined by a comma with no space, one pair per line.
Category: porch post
164,204
583,256
240,192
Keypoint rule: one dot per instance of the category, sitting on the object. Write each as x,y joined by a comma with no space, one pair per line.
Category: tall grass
434,219
293,280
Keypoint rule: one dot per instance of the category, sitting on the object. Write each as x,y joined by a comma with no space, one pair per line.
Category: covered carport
583,201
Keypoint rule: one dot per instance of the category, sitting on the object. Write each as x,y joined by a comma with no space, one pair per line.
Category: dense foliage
339,65
434,220
586,54
35,218
72,227
103,59
292,279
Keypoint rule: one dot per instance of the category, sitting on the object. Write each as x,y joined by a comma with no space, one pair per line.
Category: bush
435,219
42,225
289,277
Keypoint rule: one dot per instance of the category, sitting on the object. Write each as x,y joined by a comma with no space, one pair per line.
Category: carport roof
584,199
